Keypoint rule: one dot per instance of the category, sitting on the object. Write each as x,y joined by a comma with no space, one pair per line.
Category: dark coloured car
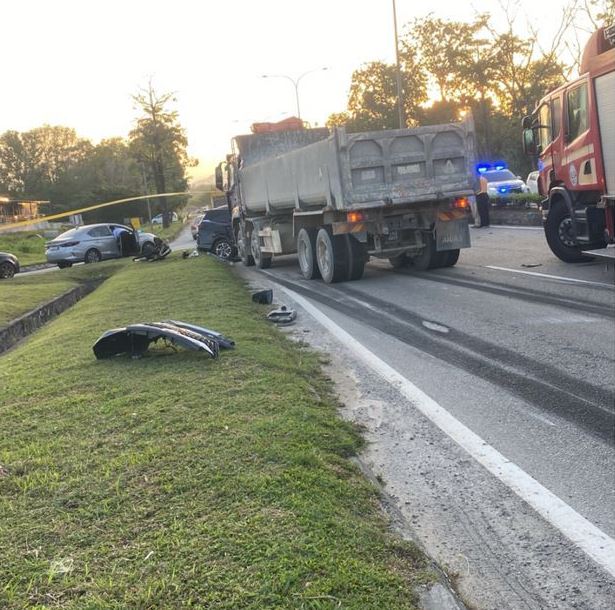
9,265
216,234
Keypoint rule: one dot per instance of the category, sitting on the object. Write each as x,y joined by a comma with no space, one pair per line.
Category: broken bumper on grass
135,339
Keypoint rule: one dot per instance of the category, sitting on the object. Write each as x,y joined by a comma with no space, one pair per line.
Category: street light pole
295,83
400,92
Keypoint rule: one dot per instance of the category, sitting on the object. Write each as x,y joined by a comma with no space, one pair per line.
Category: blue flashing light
502,189
500,165
481,168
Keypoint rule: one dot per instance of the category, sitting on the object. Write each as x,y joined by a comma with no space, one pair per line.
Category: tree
34,161
372,101
159,143
456,58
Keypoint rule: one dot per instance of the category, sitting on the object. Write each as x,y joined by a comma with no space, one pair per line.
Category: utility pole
400,91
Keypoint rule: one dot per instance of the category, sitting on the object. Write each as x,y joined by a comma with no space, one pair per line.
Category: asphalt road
517,349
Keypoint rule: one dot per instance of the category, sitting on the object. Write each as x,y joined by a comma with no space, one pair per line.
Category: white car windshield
504,174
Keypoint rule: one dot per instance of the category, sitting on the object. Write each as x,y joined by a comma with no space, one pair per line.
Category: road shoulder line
584,534
560,278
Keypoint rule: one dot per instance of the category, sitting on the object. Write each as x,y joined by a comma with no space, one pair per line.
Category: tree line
497,75
55,164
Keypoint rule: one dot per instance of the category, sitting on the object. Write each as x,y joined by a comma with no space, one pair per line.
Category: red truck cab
572,132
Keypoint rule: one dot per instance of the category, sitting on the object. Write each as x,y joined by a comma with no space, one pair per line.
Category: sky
78,63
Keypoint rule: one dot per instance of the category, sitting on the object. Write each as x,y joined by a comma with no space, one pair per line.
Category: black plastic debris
282,316
135,339
190,253
264,297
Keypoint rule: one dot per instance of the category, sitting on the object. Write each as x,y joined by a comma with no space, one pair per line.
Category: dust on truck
338,198
572,132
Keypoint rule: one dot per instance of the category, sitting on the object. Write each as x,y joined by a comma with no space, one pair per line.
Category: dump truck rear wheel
451,258
428,258
306,253
356,258
261,260
244,249
332,256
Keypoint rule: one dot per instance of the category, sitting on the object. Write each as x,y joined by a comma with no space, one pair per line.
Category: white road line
550,277
593,541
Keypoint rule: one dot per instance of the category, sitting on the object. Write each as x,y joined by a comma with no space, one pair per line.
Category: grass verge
177,481
27,246
26,292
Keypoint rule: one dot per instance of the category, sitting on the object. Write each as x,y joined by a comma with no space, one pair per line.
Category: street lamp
400,91
295,82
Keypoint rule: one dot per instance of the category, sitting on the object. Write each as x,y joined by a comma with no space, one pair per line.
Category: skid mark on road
584,534
554,391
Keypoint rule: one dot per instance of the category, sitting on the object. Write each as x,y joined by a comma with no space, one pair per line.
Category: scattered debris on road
530,265
190,253
135,339
282,316
263,297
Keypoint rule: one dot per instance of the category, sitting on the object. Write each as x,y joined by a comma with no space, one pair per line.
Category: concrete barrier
26,324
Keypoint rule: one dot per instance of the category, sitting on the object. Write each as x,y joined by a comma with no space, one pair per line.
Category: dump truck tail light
460,203
355,217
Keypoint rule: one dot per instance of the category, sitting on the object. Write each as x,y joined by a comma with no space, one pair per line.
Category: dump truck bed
349,171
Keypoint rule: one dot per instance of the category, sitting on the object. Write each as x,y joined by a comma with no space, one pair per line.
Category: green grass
24,293
178,481
27,246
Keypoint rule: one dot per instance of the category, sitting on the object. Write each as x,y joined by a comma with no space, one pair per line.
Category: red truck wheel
560,236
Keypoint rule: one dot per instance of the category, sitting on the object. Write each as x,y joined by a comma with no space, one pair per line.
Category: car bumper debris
282,316
135,339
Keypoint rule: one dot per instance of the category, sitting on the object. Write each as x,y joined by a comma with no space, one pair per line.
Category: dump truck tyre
558,231
260,260
356,258
306,253
243,249
428,258
451,258
332,256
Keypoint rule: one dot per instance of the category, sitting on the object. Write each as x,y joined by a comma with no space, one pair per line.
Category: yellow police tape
33,221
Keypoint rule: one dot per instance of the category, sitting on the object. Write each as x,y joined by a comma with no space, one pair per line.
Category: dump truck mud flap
452,234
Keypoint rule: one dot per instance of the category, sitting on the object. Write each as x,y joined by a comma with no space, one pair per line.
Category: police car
500,180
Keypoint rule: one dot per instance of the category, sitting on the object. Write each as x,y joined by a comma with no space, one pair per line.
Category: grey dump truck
337,199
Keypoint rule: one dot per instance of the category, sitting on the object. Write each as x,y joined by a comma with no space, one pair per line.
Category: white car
532,182
502,182
157,220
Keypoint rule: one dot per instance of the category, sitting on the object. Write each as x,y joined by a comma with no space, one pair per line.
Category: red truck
572,132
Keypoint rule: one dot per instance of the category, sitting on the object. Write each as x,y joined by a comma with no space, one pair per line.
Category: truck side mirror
529,142
219,178
526,122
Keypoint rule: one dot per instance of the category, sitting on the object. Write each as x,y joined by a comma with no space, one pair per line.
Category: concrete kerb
515,215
